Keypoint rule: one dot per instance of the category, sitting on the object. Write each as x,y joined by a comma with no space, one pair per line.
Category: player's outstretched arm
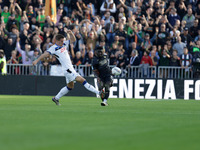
45,54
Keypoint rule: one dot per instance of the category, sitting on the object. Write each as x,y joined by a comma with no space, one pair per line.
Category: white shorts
70,75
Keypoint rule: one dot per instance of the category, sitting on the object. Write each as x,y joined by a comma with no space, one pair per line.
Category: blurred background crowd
133,32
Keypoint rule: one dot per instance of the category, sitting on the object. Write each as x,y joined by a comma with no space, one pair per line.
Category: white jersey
61,53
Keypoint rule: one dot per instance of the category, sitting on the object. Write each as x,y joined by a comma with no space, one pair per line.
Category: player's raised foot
102,94
104,104
56,101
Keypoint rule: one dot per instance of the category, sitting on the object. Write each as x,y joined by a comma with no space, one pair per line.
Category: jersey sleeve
51,50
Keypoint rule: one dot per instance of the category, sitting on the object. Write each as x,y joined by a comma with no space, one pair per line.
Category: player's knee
70,87
107,86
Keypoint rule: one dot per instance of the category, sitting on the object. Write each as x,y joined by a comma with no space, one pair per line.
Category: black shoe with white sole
56,101
104,104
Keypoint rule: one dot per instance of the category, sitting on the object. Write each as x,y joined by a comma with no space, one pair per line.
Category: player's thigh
80,79
108,82
70,75
100,84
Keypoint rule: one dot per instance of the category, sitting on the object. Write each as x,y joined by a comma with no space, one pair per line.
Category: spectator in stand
121,33
189,18
181,9
163,35
174,34
132,47
45,65
30,12
92,38
39,5
13,34
49,22
88,58
88,61
78,58
186,38
108,5
11,22
34,24
134,59
107,17
110,30
154,58
5,14
179,46
171,6
23,19
164,61
132,9
178,24
186,59
122,60
174,59
197,13
112,54
17,11
8,47
183,23
150,28
130,33
41,18
198,36
81,6
173,16
25,34
193,31
146,61
146,42
26,54
14,59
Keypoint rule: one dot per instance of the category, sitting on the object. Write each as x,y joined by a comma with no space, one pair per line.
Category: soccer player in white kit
60,50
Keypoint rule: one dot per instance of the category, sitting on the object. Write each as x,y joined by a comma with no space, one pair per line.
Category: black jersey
101,64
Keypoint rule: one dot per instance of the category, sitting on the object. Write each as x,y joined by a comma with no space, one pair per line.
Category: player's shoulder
52,48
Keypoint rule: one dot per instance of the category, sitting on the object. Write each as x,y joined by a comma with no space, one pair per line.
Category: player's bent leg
100,85
61,93
88,86
107,92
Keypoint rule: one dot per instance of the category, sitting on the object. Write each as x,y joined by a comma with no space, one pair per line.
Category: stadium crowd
133,32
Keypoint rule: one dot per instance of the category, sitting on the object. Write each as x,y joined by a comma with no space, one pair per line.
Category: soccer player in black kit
103,73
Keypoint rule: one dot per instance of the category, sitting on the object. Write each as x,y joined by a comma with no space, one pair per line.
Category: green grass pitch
36,123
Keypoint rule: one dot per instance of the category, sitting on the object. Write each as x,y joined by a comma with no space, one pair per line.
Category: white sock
105,100
90,87
62,92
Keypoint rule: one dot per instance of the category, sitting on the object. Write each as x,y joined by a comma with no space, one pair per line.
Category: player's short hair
59,37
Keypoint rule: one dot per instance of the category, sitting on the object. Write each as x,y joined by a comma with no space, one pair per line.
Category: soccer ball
116,71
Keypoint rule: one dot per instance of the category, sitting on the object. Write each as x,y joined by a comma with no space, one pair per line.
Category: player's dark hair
59,37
